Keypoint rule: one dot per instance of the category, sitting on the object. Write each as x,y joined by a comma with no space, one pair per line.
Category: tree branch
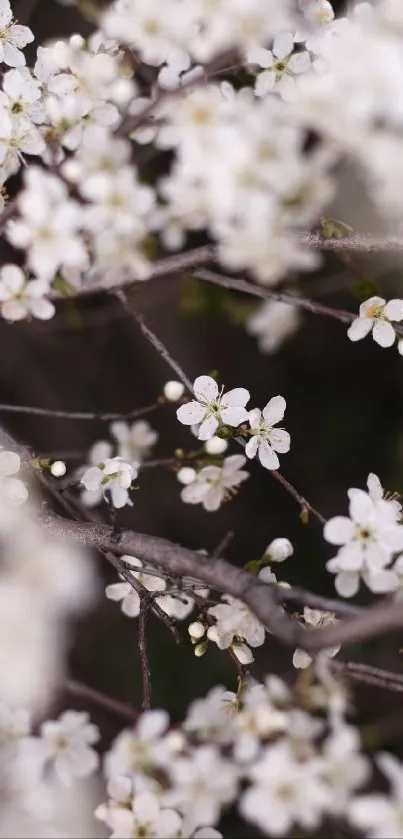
78,415
217,573
107,702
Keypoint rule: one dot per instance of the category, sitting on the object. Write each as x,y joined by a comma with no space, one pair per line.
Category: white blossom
138,750
214,484
13,38
284,792
376,316
67,743
145,818
235,623
13,491
280,66
345,768
21,298
314,619
266,440
134,441
202,784
377,814
114,476
367,540
213,407
272,324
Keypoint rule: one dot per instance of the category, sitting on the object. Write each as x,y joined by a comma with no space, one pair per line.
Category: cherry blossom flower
379,815
145,818
209,717
284,792
265,439
345,768
367,540
67,743
201,784
13,38
272,324
214,484
48,225
281,65
376,316
21,298
134,441
213,407
17,137
314,619
125,593
138,750
235,624
115,476
20,96
12,490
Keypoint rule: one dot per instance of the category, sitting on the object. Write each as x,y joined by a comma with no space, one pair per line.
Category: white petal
119,496
238,397
369,305
191,413
383,333
394,310
299,63
359,329
260,56
213,499
347,583
252,446
283,45
361,507
205,388
152,724
42,309
233,463
233,416
274,410
301,660
254,418
208,428
267,456
338,530
280,440
10,463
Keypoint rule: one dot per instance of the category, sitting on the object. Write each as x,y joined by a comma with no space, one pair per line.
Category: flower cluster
368,541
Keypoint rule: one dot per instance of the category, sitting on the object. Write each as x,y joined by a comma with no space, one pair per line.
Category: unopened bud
186,475
173,391
216,445
58,469
196,630
201,649
279,549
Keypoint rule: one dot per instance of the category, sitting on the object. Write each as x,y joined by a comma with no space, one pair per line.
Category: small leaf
332,228
63,286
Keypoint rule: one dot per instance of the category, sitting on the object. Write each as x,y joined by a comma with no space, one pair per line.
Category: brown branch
304,504
101,699
221,575
359,242
271,294
145,664
369,675
78,415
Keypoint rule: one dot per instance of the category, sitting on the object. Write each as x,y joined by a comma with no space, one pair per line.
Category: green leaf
332,228
63,286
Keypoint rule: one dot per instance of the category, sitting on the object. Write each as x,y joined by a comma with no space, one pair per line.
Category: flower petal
359,328
267,456
252,446
208,428
205,388
238,397
347,583
338,530
191,413
361,507
280,440
394,310
254,418
274,410
383,333
234,416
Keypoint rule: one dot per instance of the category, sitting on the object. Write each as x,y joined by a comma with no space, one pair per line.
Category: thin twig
293,594
369,675
145,664
78,415
271,294
304,504
156,342
113,705
223,544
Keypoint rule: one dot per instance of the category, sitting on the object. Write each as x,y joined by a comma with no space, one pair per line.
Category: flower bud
196,630
216,445
173,391
279,550
201,649
186,475
58,469
243,653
